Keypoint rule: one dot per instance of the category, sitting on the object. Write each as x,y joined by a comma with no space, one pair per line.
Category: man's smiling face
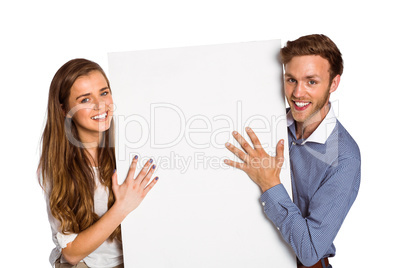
308,86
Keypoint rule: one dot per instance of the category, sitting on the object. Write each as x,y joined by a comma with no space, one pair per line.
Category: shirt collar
322,132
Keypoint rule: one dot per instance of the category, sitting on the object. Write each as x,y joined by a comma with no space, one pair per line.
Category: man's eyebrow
288,75
87,94
307,76
312,76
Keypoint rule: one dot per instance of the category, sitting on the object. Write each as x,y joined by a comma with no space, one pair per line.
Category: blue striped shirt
325,172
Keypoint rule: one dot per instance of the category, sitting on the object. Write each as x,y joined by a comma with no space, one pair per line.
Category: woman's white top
109,254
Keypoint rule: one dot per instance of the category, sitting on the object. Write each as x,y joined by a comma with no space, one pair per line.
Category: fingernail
150,160
157,178
153,167
114,171
234,132
136,157
282,142
227,144
247,129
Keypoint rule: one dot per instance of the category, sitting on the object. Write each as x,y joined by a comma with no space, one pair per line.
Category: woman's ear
64,110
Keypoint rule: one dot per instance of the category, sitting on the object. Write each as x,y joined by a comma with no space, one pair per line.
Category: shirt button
263,203
294,143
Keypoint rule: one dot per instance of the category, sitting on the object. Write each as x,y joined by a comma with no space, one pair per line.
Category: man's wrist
266,186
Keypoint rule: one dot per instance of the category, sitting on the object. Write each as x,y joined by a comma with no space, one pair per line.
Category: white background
37,37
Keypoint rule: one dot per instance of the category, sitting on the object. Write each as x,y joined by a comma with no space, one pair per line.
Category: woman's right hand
129,195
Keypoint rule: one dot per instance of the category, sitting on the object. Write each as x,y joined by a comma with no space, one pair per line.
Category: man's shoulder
347,146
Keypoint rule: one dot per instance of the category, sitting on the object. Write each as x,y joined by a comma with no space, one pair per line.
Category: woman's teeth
301,104
99,116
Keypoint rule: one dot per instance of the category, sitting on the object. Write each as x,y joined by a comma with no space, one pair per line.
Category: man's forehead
307,66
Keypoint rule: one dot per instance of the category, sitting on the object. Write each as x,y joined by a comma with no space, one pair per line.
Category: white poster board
179,106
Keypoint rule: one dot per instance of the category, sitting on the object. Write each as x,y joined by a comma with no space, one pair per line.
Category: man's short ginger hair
315,44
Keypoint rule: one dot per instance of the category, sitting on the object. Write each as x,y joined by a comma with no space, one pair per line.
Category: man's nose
299,91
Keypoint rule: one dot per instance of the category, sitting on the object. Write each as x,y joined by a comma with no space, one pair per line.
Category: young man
324,158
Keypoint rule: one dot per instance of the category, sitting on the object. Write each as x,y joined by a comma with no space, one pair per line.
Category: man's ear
335,83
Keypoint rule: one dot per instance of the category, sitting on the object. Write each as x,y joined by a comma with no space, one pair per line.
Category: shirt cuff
63,239
276,203
273,195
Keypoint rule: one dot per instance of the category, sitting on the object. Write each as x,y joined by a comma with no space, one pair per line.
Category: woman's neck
91,145
92,154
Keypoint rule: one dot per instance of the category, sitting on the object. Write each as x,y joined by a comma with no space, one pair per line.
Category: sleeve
311,236
63,239
60,240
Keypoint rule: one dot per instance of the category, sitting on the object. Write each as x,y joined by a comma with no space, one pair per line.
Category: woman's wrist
119,210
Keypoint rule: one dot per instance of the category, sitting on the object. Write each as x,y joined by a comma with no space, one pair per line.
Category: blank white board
179,106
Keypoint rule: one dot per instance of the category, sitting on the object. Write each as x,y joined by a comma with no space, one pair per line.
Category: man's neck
306,128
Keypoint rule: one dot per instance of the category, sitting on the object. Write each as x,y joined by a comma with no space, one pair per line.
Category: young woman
77,170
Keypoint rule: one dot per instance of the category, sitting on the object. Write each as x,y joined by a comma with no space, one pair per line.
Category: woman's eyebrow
83,95
87,94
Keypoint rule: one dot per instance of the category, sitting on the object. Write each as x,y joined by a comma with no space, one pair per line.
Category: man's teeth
100,116
301,104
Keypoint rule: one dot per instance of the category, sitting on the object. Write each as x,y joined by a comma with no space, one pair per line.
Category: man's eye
291,80
85,100
311,82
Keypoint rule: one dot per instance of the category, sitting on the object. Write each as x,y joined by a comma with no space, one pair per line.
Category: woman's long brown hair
64,170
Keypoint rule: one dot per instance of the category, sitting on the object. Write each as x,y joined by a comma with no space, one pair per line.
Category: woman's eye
104,93
85,100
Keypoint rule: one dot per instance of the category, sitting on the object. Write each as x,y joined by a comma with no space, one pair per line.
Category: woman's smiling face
90,106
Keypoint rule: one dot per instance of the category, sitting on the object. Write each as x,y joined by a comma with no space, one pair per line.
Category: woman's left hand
132,191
